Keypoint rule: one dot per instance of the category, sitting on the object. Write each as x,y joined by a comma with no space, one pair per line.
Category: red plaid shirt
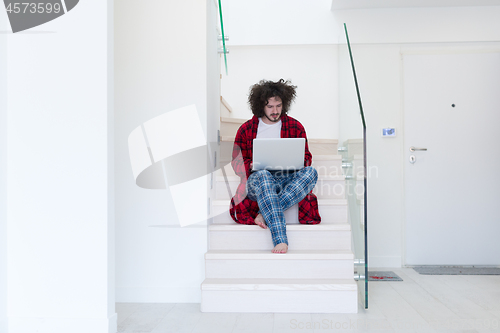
242,209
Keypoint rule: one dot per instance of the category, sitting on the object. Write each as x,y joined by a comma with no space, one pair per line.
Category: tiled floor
421,303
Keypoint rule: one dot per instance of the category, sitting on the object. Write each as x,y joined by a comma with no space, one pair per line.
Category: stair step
327,164
232,120
290,255
330,187
357,187
354,147
265,264
279,284
279,295
323,146
235,236
292,227
229,126
331,212
358,168
327,187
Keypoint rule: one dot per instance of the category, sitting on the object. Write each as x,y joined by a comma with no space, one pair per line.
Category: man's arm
307,155
301,133
241,162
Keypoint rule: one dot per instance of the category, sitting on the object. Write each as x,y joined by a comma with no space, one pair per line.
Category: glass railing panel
223,34
352,142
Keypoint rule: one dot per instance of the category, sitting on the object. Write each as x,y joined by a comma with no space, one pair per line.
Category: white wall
292,22
60,212
312,68
377,68
421,25
377,35
379,72
279,22
4,25
161,65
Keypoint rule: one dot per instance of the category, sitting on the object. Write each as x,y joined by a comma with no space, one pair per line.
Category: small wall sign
388,132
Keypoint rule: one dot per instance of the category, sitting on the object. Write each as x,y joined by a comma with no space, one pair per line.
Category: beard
272,119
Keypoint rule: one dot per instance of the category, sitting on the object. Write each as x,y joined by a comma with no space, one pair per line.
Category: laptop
278,154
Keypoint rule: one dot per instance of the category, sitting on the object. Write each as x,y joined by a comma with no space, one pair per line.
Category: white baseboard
62,325
159,294
382,262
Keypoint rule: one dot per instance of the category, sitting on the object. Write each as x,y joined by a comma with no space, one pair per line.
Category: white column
60,154
161,66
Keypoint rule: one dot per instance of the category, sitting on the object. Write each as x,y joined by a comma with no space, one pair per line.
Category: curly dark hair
262,91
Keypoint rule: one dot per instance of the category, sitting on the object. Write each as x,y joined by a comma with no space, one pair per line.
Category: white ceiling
365,4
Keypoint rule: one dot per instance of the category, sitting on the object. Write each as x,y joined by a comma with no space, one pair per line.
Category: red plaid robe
242,209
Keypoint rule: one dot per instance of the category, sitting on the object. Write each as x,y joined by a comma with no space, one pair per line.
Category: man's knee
311,172
311,177
260,175
255,180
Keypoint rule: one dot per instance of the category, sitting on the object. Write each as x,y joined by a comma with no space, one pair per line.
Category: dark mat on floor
383,276
435,270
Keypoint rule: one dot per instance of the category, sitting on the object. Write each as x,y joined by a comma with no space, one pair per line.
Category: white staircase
314,276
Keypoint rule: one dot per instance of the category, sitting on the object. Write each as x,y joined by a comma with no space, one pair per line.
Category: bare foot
280,248
259,220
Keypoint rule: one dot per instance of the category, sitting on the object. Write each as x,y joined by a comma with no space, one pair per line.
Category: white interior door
452,191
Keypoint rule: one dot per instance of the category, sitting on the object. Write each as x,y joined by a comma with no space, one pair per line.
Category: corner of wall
111,169
3,174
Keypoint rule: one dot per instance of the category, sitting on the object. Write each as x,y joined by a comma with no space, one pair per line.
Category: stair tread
326,157
325,202
310,140
353,141
290,255
232,120
289,227
256,284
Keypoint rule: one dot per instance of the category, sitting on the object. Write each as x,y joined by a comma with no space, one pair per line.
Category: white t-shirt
268,131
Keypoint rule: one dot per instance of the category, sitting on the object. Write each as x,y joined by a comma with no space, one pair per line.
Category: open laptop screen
278,154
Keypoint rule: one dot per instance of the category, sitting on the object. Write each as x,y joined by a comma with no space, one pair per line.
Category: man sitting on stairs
272,192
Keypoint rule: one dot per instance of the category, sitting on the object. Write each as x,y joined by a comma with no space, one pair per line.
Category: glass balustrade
352,147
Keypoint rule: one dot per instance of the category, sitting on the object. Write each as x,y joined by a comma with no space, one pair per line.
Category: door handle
412,149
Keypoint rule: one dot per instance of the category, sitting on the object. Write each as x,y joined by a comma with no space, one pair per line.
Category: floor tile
124,310
349,323
139,324
215,323
145,317
181,319
254,322
293,322
496,312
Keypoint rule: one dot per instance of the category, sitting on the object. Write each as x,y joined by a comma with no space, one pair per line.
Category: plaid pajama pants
275,192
